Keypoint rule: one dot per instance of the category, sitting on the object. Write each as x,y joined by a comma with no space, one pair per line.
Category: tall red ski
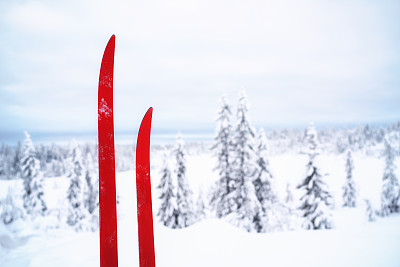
107,194
143,189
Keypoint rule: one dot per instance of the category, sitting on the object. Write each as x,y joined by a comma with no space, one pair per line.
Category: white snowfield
212,242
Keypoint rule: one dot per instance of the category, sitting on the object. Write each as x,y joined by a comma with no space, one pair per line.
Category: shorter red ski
143,189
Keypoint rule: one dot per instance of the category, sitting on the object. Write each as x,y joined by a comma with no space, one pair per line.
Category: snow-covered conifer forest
250,196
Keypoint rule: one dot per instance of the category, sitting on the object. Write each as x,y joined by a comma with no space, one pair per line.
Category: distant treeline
367,139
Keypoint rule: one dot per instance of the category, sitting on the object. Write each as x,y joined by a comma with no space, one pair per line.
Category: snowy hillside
212,242
248,197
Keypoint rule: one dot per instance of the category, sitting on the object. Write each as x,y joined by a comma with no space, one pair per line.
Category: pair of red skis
107,192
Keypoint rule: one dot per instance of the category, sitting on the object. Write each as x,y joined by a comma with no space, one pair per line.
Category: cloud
34,17
299,61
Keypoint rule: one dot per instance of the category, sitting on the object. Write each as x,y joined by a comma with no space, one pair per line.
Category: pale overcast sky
331,62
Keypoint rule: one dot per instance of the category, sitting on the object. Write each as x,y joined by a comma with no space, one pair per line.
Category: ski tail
143,187
107,193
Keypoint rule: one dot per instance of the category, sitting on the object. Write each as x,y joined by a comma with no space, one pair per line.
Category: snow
104,110
354,241
215,243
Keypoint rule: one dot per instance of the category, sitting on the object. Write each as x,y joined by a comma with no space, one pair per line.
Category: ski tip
112,40
109,53
148,116
143,138
149,112
146,121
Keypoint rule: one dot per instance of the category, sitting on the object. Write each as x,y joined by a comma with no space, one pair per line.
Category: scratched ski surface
107,194
143,187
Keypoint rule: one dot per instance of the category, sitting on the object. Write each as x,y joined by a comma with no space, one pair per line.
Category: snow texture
212,242
104,110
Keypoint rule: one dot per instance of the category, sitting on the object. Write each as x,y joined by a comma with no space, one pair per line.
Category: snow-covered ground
212,242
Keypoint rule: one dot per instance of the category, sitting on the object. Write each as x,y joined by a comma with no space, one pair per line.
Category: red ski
107,194
143,189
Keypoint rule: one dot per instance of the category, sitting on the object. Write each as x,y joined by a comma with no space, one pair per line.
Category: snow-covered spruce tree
249,214
390,196
184,195
247,208
263,182
33,197
222,148
349,189
91,193
263,176
2,164
9,210
289,195
6,162
369,212
16,164
316,201
90,199
76,211
56,164
167,211
201,208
